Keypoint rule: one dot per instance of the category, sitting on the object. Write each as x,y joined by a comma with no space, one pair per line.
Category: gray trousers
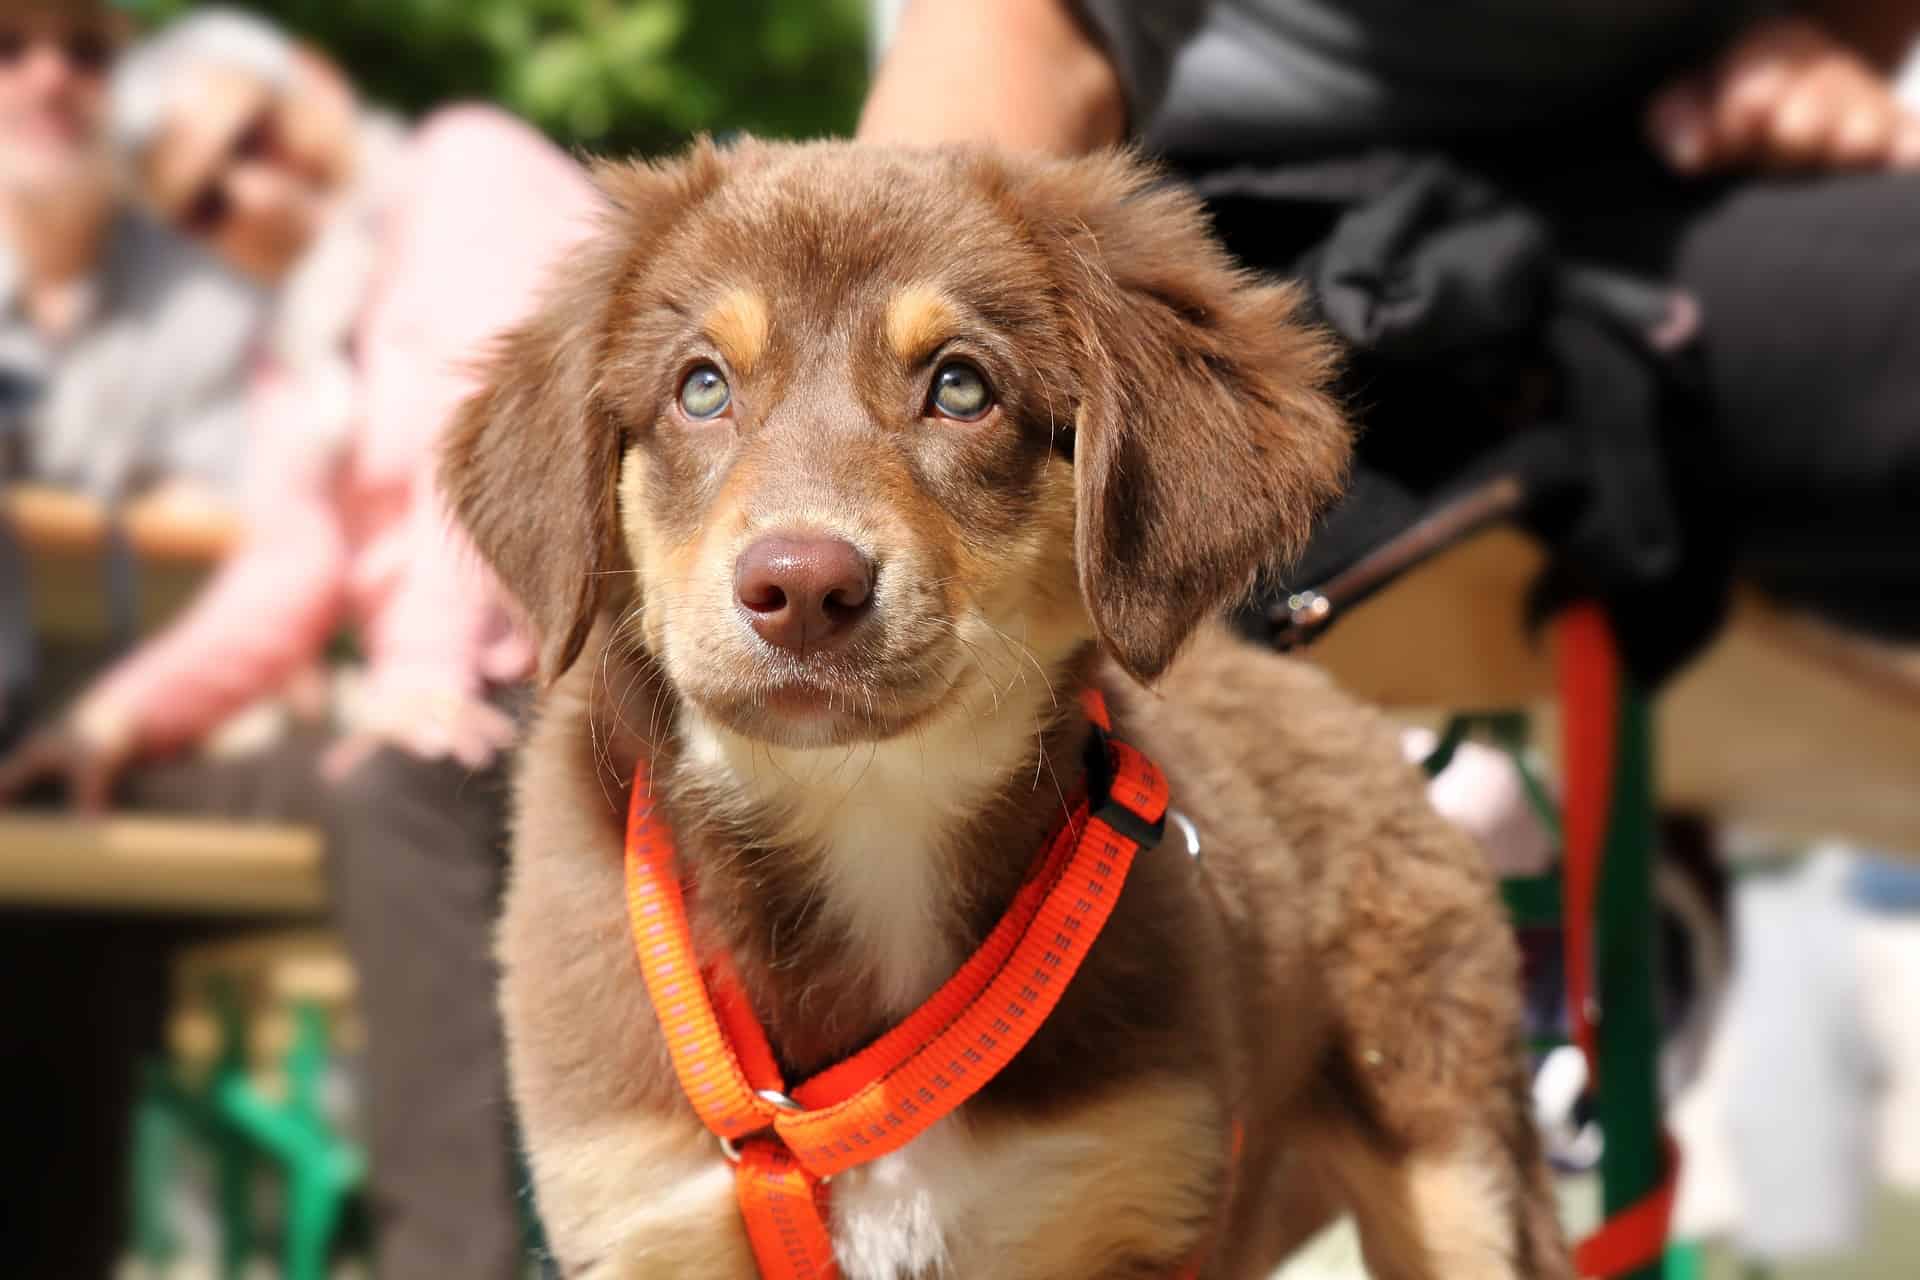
415,860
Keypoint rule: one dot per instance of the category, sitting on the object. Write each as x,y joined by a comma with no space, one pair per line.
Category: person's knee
386,783
393,797
416,848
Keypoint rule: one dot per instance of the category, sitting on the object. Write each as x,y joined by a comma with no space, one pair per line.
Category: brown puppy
830,475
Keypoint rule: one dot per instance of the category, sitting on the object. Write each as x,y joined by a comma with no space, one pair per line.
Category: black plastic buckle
1102,805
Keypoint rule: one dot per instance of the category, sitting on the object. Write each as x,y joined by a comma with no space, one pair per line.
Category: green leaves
606,75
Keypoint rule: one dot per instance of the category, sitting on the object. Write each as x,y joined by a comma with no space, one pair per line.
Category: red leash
1590,678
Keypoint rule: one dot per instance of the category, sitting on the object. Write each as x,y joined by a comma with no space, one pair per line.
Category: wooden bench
267,975
160,864
1784,724
65,538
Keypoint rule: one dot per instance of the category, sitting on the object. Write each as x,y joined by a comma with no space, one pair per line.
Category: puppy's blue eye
960,391
704,393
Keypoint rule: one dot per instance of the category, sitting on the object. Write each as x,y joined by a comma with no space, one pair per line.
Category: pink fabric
362,536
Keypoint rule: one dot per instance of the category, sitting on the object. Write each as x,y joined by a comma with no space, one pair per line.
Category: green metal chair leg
318,1175
315,1206
1686,1262
155,1138
1626,940
236,1163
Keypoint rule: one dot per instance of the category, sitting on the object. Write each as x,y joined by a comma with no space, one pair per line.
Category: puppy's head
832,420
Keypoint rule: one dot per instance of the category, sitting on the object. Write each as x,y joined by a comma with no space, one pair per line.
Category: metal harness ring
780,1102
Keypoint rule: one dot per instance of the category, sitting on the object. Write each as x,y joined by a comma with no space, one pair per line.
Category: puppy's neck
851,882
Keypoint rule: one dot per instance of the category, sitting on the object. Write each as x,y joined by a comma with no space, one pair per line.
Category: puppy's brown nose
803,593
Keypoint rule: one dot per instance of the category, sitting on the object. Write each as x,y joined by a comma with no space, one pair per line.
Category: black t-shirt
1285,79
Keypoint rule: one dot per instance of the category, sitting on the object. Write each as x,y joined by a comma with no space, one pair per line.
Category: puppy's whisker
1025,650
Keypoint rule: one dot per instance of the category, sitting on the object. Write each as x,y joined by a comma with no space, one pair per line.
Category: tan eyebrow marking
919,318
738,324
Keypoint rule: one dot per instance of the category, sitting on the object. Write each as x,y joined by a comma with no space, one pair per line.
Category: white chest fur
951,1201
893,1219
880,815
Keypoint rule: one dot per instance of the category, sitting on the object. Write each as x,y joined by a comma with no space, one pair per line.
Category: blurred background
605,75
258,701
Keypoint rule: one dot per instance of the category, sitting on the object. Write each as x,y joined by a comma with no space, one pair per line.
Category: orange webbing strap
710,1073
782,1207
905,1099
922,1070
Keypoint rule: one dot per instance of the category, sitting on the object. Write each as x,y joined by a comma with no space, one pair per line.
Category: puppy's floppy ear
531,461
1206,442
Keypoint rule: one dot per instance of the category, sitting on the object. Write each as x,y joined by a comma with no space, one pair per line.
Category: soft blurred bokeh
608,75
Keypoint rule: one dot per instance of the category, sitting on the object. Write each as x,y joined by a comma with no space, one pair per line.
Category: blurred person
122,347
1886,892
1817,1102
1751,151
395,255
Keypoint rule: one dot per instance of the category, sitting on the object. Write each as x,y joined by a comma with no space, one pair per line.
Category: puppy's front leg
692,1230
1443,1166
1123,1188
664,1218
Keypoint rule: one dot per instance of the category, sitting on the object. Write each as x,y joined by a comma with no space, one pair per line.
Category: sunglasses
210,206
88,50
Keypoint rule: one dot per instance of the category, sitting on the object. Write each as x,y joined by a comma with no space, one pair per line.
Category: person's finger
430,737
481,732
1680,124
346,755
46,757
38,758
1752,89
499,728
1905,150
1865,135
92,781
472,749
1801,131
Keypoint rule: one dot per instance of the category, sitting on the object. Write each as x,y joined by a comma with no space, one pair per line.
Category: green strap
1626,938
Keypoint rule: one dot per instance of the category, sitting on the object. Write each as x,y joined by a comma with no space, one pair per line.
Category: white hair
151,77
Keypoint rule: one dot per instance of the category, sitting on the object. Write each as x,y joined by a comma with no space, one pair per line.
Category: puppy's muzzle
804,593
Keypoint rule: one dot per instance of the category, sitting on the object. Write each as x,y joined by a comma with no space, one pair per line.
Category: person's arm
493,207
1808,91
267,611
1026,74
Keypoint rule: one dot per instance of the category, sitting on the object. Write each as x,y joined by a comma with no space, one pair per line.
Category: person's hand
1788,97
85,753
433,724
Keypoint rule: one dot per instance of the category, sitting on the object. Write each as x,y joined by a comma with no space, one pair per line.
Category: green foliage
606,75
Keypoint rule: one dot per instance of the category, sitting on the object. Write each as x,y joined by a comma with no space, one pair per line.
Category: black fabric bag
1492,379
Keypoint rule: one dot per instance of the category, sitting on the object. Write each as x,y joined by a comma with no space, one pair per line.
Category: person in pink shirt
396,256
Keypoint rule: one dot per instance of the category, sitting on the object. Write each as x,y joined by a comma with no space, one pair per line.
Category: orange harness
786,1144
